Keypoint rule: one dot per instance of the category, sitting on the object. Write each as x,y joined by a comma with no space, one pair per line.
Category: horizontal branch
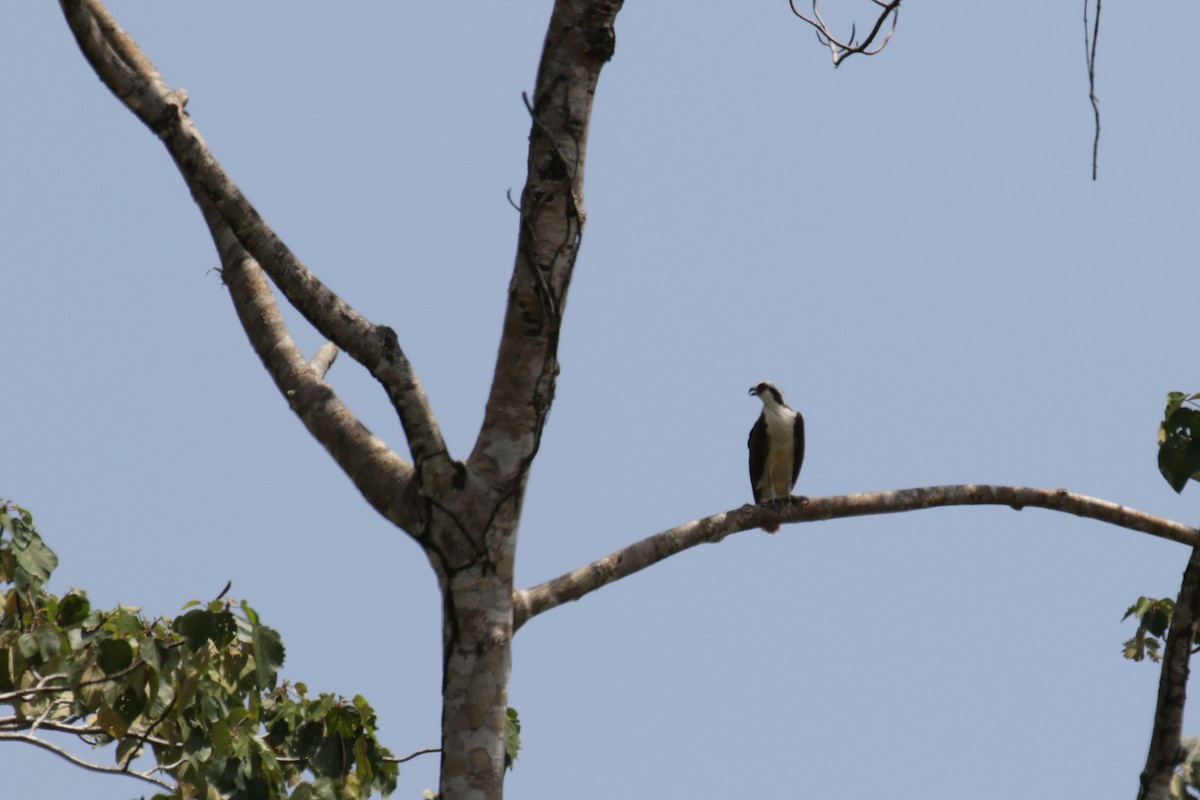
528,603
422,752
19,723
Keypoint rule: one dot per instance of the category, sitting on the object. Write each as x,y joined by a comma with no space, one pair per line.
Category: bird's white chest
781,444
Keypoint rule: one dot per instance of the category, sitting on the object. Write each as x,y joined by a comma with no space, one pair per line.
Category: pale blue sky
910,246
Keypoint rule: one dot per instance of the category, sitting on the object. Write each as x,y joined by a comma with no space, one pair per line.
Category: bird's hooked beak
754,391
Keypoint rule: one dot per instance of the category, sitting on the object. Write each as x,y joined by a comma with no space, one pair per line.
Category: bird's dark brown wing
797,448
758,454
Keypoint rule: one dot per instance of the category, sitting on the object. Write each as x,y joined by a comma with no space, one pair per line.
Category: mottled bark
580,39
127,72
464,515
476,571
1166,748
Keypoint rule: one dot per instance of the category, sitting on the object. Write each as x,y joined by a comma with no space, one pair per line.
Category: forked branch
129,74
380,474
528,603
843,49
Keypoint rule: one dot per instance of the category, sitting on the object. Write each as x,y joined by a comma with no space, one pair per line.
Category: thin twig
7,698
1089,50
16,723
413,755
145,736
843,49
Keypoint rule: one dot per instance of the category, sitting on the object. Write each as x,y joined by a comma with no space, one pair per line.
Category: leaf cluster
1179,440
198,695
1154,620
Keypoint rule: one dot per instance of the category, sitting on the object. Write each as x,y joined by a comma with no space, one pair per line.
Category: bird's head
768,392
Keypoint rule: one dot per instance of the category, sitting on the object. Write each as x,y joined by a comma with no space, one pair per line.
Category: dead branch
414,754
1089,50
528,603
323,359
129,74
843,49
379,473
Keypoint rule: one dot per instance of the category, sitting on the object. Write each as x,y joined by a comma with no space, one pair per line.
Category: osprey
776,448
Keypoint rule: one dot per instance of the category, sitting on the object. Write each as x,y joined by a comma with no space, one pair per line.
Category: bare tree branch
528,603
841,50
1089,50
122,66
79,762
381,475
580,40
323,359
1166,748
414,754
18,723
42,687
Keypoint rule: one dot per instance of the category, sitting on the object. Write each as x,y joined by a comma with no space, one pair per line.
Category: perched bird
776,448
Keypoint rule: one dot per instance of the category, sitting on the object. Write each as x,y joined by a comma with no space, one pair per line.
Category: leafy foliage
1179,440
512,738
1154,618
198,694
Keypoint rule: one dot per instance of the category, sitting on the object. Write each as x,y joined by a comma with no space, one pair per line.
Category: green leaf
72,610
91,687
333,757
250,613
49,643
128,749
114,655
149,652
362,761
221,738
129,705
268,655
111,722
1157,621
224,628
512,738
1179,441
126,621
33,556
196,627
27,645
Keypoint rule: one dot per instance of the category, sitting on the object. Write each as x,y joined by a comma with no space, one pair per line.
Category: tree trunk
471,541
477,635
